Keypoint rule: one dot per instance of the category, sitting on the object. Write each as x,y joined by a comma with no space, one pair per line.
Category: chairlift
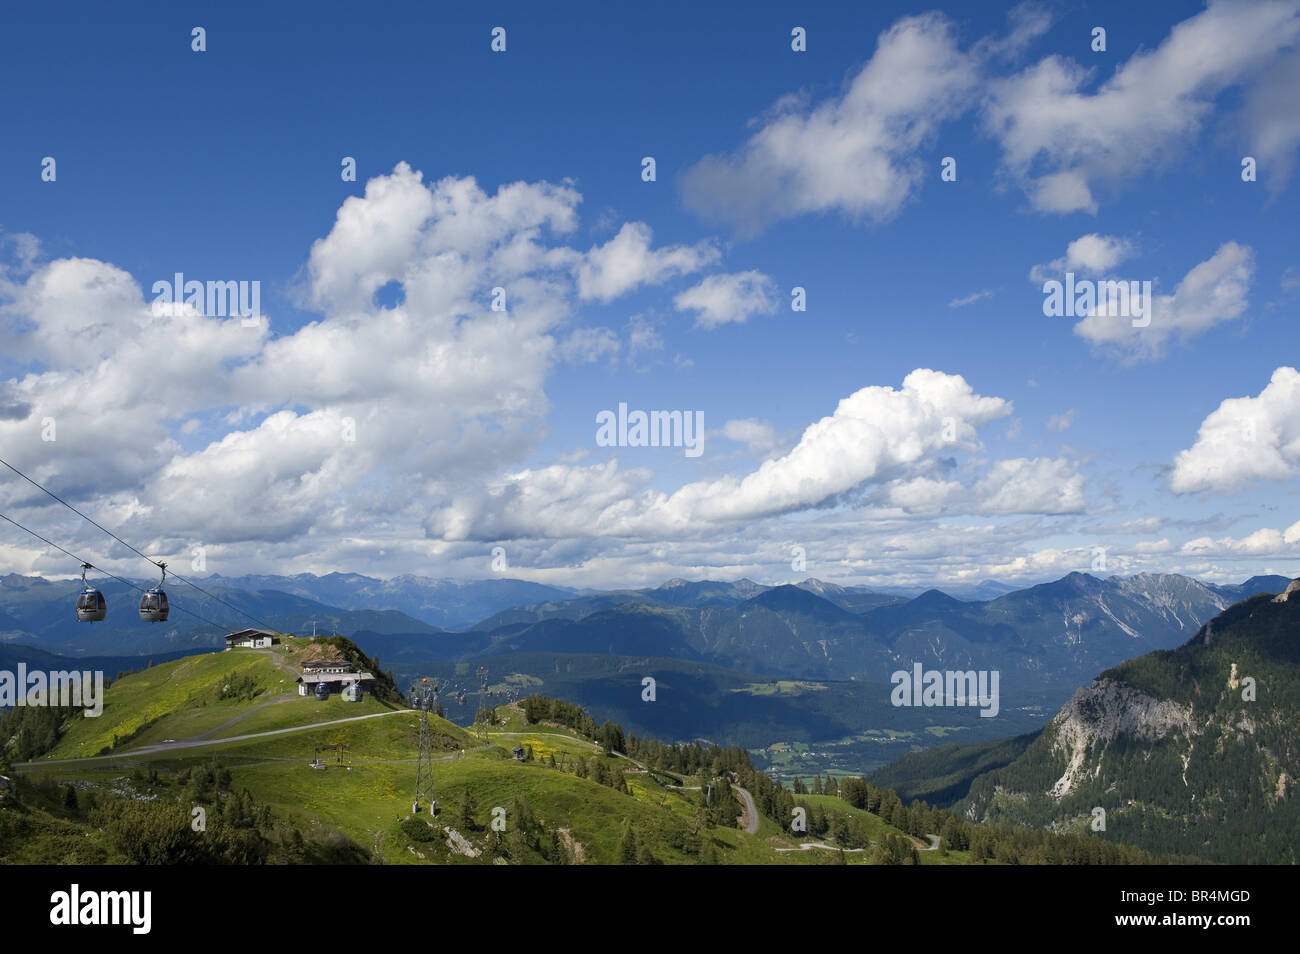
91,607
153,604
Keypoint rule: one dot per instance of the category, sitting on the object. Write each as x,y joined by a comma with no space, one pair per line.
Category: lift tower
424,699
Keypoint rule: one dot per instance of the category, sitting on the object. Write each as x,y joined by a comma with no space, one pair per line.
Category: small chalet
250,639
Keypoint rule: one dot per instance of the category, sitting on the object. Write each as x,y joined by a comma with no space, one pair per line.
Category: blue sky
775,169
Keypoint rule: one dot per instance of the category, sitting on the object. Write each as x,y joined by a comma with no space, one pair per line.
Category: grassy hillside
37,828
210,696
174,700
367,796
583,792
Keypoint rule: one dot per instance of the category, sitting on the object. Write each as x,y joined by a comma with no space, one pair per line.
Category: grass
35,835
173,700
943,731
367,794
303,710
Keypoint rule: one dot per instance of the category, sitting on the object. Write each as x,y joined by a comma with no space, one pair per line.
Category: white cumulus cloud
722,299
1091,254
1244,440
875,434
1213,292
627,261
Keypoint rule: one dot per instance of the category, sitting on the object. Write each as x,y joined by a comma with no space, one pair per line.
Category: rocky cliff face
1292,587
1098,714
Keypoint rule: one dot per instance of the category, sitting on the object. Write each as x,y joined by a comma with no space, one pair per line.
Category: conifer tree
627,844
466,809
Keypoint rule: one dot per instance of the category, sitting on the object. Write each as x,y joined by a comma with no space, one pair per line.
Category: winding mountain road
750,818
811,845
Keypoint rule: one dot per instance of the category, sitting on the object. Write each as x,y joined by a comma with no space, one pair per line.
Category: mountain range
1054,635
447,604
739,662
1194,750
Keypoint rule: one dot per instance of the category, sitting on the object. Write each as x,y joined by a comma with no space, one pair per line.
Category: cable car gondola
91,607
153,605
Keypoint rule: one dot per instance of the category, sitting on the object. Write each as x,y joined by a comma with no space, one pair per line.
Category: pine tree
559,851
953,835
467,809
627,846
515,845
817,821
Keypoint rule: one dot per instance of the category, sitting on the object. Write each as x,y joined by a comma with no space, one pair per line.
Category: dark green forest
1222,789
